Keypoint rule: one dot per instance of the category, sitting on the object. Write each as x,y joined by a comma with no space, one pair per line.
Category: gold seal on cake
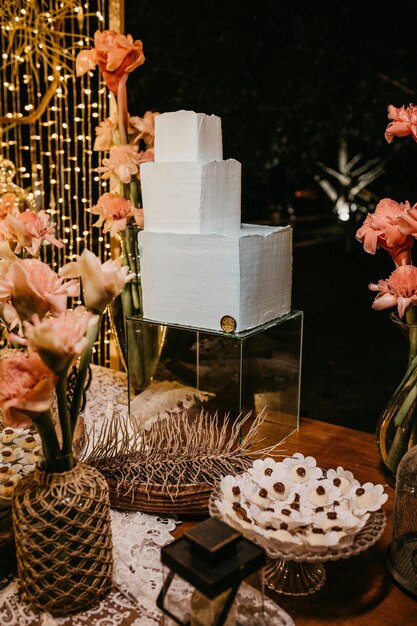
228,323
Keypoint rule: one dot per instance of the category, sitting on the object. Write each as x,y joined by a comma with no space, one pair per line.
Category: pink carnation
31,286
26,388
114,211
381,230
28,230
404,122
57,340
400,290
122,164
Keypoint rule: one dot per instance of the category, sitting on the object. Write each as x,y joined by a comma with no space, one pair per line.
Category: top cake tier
188,136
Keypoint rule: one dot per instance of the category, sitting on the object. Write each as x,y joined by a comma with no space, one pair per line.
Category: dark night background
290,82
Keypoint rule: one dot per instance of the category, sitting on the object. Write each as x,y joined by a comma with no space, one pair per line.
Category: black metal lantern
214,559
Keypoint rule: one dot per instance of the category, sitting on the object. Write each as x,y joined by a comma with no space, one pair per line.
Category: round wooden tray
185,500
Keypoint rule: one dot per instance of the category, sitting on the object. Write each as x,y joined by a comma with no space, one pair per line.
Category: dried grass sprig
176,451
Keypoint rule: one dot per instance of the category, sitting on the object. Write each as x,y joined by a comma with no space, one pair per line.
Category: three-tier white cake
199,265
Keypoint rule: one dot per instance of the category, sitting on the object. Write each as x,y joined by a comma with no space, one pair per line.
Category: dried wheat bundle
176,451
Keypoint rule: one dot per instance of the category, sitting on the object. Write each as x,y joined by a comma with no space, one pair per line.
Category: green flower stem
410,398
411,315
64,418
125,191
131,258
133,191
405,396
398,448
82,373
410,369
50,444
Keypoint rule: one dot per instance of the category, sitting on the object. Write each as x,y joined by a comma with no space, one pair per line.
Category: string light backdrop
48,116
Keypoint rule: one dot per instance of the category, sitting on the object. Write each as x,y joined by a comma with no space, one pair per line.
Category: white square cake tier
188,136
196,280
191,197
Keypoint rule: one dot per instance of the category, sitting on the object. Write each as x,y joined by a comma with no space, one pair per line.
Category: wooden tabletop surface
359,591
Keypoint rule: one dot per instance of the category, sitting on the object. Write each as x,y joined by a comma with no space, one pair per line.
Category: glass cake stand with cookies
302,515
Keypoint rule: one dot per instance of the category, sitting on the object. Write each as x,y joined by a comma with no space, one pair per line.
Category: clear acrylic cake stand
299,571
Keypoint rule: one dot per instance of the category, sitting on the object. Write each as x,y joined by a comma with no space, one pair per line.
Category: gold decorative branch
40,109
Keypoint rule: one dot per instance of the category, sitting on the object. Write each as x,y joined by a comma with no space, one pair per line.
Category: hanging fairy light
47,118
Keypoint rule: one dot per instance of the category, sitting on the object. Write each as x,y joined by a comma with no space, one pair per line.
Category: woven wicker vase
63,539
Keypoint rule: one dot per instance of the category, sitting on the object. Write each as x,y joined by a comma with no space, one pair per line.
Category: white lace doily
137,540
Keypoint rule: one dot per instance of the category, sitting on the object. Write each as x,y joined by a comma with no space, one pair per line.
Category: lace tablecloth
137,539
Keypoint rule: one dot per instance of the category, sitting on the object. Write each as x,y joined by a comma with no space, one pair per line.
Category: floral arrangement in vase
61,501
129,142
53,337
393,227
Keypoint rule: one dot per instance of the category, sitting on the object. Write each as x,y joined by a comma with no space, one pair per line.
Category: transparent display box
224,372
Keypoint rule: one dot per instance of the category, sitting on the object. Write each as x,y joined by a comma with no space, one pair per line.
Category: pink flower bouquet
393,227
129,142
53,337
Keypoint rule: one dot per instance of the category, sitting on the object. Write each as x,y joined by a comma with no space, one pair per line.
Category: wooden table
359,591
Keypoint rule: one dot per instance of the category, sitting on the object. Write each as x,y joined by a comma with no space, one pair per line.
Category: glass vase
397,427
63,539
402,554
144,348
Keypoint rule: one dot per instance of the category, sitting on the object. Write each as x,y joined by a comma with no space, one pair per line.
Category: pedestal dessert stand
299,570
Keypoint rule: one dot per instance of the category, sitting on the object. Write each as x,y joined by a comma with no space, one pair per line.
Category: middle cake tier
182,197
197,280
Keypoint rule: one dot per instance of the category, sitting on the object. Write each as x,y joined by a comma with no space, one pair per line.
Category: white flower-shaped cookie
10,453
368,497
230,488
339,520
302,469
318,538
235,513
321,493
285,537
279,486
292,517
343,479
260,497
8,435
262,468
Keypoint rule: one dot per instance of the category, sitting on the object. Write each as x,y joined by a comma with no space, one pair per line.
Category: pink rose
400,290
114,211
104,132
26,388
404,122
28,230
57,340
381,230
122,164
117,55
143,128
33,287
